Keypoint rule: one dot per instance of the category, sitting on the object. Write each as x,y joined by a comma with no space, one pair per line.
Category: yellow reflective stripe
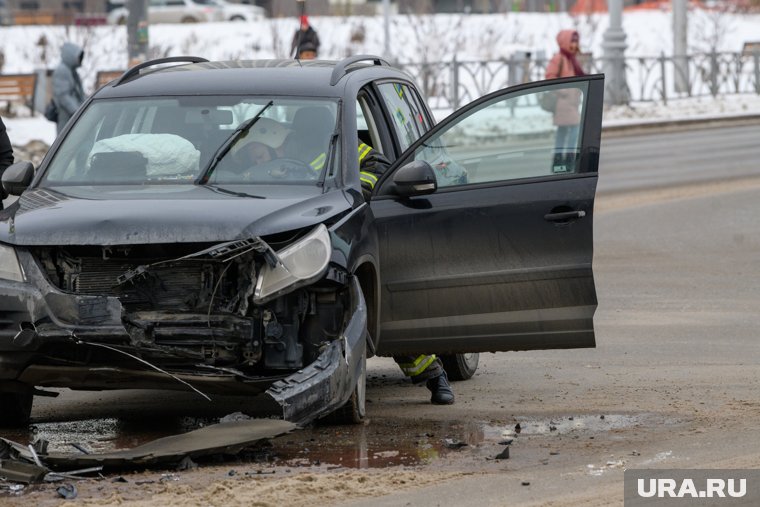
418,366
319,162
363,151
369,176
368,181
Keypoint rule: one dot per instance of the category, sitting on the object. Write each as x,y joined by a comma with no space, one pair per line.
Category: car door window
536,133
405,116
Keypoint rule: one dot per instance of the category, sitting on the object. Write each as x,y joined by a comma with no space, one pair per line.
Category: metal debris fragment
67,491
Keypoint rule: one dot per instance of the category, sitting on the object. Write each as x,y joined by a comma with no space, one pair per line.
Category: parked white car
240,12
171,11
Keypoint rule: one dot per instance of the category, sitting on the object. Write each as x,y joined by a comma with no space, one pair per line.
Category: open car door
489,247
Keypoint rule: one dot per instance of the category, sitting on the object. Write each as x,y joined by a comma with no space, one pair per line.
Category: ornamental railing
449,85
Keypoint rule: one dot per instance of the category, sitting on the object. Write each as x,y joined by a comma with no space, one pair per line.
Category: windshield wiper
227,144
233,192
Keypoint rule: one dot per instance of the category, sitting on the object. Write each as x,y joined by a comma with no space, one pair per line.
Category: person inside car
264,142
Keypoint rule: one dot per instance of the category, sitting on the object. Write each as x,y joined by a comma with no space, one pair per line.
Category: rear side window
407,119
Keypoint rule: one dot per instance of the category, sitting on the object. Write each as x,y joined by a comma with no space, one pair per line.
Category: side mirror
17,177
415,178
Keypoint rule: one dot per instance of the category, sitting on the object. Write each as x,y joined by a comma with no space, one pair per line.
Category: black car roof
313,78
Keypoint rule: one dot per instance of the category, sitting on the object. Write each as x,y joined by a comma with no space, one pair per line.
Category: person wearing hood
567,110
304,35
6,157
68,94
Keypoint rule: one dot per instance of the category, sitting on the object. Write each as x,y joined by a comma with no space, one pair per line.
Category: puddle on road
382,443
580,423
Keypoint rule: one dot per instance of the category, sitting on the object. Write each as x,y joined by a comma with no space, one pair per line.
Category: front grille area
176,286
165,281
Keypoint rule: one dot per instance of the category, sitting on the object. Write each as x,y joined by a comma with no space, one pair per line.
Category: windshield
176,139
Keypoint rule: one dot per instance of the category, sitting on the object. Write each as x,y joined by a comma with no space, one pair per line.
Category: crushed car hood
121,215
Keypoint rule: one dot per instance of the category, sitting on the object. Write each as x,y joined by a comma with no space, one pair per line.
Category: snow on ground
413,38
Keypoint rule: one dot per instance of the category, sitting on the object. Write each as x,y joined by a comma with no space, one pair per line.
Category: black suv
146,251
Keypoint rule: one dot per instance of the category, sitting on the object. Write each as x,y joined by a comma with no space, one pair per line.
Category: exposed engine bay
191,306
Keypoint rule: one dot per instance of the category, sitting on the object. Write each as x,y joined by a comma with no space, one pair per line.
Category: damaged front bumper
52,338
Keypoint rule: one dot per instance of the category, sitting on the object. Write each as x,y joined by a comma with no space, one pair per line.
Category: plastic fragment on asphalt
217,439
451,443
18,471
67,491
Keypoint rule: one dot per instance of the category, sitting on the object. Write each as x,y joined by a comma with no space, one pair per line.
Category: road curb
655,126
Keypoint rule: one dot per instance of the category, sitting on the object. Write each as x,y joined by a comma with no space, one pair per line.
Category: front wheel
460,366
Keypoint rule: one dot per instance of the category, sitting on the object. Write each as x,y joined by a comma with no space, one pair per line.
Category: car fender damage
181,317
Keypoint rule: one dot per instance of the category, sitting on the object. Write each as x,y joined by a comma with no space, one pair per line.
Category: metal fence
449,85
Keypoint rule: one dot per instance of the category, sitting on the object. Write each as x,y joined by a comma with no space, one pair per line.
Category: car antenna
227,144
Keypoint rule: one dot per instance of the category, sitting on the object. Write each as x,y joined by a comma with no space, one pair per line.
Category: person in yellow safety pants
421,368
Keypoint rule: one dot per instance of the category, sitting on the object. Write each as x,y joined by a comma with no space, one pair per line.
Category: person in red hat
304,35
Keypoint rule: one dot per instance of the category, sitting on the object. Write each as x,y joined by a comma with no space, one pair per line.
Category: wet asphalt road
675,371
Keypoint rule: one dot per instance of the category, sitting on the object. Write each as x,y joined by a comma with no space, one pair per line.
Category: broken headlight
9,266
301,263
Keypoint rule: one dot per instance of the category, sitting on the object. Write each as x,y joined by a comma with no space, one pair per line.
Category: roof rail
137,68
341,69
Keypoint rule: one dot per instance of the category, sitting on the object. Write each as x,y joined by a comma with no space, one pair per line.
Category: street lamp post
386,28
680,47
613,44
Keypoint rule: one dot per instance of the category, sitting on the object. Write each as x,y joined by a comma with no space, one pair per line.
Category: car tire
121,21
355,409
460,366
16,407
189,19
237,17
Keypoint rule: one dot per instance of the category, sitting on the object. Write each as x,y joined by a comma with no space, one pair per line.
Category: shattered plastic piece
235,416
525,483
186,464
217,439
79,448
40,445
553,453
503,454
18,471
451,443
74,474
507,441
119,479
517,428
67,491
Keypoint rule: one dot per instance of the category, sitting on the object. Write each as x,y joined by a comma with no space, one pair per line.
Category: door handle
564,215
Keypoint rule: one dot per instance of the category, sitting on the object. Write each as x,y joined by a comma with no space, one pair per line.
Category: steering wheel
287,169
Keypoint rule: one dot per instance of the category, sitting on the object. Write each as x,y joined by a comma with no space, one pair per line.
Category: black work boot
442,393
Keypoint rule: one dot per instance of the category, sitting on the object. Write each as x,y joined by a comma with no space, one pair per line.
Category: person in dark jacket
305,34
6,157
68,94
